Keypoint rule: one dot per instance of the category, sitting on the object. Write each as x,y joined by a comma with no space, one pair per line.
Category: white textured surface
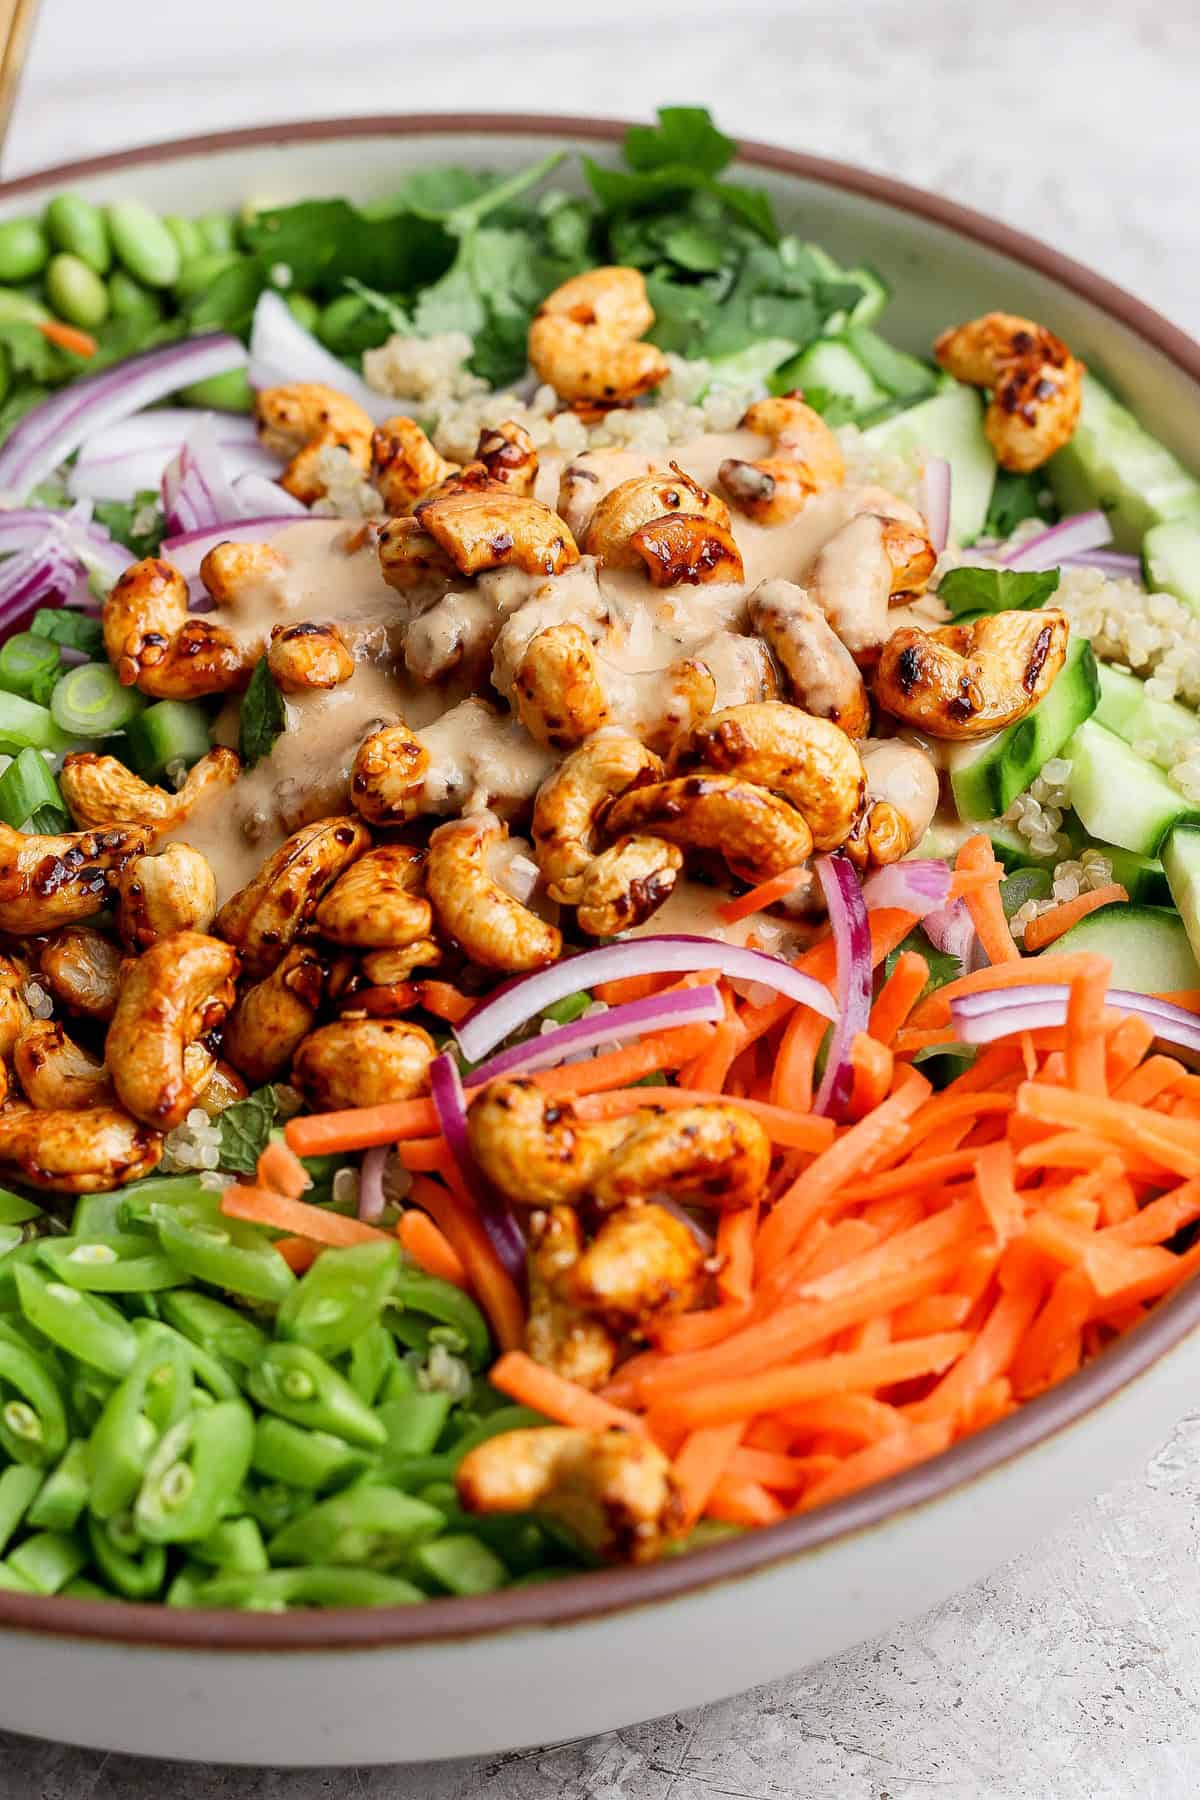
1074,1673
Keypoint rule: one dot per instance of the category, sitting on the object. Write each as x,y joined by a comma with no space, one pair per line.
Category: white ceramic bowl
458,1677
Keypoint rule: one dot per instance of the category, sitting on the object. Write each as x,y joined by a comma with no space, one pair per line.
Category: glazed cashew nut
681,549
363,1062
965,681
266,916
1036,384
642,1263
470,905
175,994
822,676
870,564
902,797
810,761
271,1019
557,691
55,1074
50,881
82,969
411,561
494,527
590,477
175,890
100,790
156,645
15,1016
758,834
558,1334
84,1152
533,1148
716,1154
509,455
307,656
302,419
621,513
804,459
377,904
404,464
584,339
387,782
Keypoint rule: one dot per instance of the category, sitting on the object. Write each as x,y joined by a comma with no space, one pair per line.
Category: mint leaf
684,134
1015,498
263,717
77,630
996,590
942,966
246,1130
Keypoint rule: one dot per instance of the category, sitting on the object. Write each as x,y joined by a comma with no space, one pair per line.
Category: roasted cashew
304,418
626,884
156,895
571,802
714,1153
156,645
387,783
902,797
15,1016
1037,385
82,969
810,761
682,549
584,338
56,1074
965,681
613,1490
493,527
758,834
632,504
469,904
363,1062
267,915
377,904
100,790
590,477
558,694
233,571
50,881
805,458
405,465
175,994
870,564
509,455
643,1262
412,561
223,1087
271,1019
77,1152
384,968
822,676
533,1148
558,1334
301,657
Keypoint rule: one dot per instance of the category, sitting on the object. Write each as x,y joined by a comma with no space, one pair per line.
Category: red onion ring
495,1215
852,939
693,1006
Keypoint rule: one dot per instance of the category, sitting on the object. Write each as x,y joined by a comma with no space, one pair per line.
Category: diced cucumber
1121,798
831,365
985,785
1112,463
948,424
876,297
1143,877
746,368
895,371
1125,708
1014,851
1171,560
1148,947
1181,860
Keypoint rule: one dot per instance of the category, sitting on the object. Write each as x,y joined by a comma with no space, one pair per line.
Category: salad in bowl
599,882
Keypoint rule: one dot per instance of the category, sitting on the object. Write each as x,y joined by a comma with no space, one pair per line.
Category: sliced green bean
366,1523
279,1589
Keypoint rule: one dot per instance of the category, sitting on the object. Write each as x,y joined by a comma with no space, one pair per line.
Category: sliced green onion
573,1006
24,660
26,788
172,731
24,725
90,702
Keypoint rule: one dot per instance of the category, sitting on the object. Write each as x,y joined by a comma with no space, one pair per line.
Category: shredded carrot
430,1249
68,337
700,1464
795,1065
493,1287
528,1382
682,1332
877,1461
298,1253
1051,925
898,995
983,902
997,1190
743,1503
281,1170
764,895
444,1001
1085,1031
798,1131
872,1064
262,1206
735,1247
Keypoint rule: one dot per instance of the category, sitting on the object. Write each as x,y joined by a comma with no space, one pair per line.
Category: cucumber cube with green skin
1181,860
1112,463
948,424
1121,798
1127,709
986,783
1143,877
831,365
1171,560
1150,950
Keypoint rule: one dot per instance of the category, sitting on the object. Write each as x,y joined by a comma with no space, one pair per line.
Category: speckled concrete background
1073,1673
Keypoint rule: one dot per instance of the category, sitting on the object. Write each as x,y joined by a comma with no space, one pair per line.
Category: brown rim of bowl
590,1596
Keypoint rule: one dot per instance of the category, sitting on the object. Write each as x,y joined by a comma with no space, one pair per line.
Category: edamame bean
76,292
306,312
199,272
339,316
143,243
130,300
77,226
187,234
23,249
21,309
217,230
230,392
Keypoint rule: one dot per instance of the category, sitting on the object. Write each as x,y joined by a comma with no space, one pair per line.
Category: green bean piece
12,1583
125,1264
83,1325
296,1383
415,1291
201,1241
218,230
128,299
154,1396
371,1360
21,309
143,243
201,269
99,1216
83,1589
225,1333
414,1424
33,1419
64,1493
273,1504
460,1563
18,1209
24,251
364,1524
196,1467
87,1395
279,1589
75,225
230,392
187,1584
299,1458
337,318
76,292
306,312
48,1560
236,1545
19,1485
340,1296
135,1569
216,1381
187,234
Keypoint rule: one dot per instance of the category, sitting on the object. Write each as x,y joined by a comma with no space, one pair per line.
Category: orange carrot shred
1049,926
898,995
700,1464
444,1001
262,1206
528,1382
983,903
280,1169
68,337
430,1249
764,895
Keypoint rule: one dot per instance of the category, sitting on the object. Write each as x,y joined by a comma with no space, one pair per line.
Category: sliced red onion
1114,563
165,429
495,1215
196,491
935,500
282,351
703,1238
54,430
371,1197
995,1013
1082,531
951,930
21,528
259,497
852,940
510,1006
43,575
660,1012
188,549
921,885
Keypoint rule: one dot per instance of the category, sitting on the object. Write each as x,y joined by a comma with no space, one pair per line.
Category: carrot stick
700,1464
1157,1075
770,1468
430,1249
1157,1221
904,1251
997,1190
281,1170
743,1503
983,903
735,1246
873,1066
764,895
1085,1032
711,1068
1051,925
910,1177
949,1108
796,1131
68,337
490,1282
630,987
877,1461
988,1356
898,995
528,1382
444,1000
792,1079
1171,1143
262,1206
852,1418
936,1312
682,1333
298,1253
1061,1318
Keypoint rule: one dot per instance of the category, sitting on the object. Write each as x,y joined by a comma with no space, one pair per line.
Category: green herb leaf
64,625
263,717
395,315
996,590
324,241
942,966
1015,498
1023,885
684,134
139,523
246,1130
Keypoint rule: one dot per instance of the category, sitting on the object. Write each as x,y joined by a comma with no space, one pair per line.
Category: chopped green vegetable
263,718
245,1129
996,590
65,625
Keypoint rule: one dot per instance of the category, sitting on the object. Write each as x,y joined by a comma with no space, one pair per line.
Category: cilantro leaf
64,625
459,198
246,1130
942,966
139,523
684,134
1015,498
324,241
263,717
996,590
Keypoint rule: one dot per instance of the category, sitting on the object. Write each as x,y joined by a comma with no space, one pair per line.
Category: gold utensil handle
16,26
